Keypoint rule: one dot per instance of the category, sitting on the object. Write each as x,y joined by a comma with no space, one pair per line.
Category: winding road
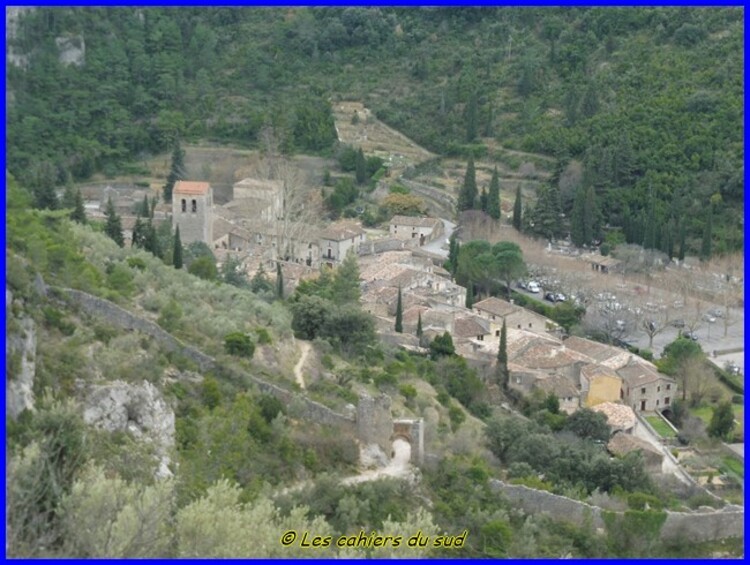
305,347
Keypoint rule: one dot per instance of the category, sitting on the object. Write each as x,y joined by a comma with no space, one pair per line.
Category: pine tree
471,118
45,197
177,249
577,223
176,171
590,102
706,243
468,195
361,167
279,281
453,248
150,239
489,129
69,198
145,210
470,295
681,253
502,356
79,211
399,327
517,219
113,226
345,285
493,198
419,325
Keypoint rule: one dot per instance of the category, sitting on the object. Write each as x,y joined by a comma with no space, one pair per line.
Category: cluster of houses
580,372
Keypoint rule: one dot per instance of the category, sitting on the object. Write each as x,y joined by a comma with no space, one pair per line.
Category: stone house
564,388
620,418
265,198
599,384
420,230
336,241
600,353
192,203
495,310
644,388
470,327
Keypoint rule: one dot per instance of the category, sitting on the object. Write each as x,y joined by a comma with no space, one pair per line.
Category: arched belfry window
193,205
184,205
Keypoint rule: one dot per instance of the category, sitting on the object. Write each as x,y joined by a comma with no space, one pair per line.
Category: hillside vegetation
649,100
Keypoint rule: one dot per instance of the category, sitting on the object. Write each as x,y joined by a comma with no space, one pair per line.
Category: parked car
679,323
689,335
731,367
551,296
523,284
560,297
716,313
533,287
709,318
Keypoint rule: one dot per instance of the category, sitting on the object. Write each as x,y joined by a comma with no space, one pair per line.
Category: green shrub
264,337
170,316
408,392
240,344
457,416
136,263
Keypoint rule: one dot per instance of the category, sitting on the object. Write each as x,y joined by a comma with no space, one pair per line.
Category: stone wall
413,431
374,422
99,307
376,246
693,526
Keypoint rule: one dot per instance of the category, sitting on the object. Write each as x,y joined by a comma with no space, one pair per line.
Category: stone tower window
193,205
184,205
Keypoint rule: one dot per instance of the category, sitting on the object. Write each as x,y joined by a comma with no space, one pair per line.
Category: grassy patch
734,466
660,426
705,413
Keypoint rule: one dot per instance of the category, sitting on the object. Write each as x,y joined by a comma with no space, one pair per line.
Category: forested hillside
648,99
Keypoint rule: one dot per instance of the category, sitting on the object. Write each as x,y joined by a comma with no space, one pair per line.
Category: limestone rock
139,409
19,382
371,456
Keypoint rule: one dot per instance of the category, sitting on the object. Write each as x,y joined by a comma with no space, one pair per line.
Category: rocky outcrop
139,409
71,49
20,361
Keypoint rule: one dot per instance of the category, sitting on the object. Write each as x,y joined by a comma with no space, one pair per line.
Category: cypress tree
79,211
113,226
177,249
517,209
145,208
681,253
150,240
470,295
483,200
279,281
139,234
46,197
493,198
502,356
176,171
468,195
361,167
419,325
399,327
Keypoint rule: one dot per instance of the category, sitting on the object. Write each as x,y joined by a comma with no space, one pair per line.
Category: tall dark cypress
177,249
468,196
517,209
79,211
399,327
279,281
419,325
493,198
502,356
470,295
113,226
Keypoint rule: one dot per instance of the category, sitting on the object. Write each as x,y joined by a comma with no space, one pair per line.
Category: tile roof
341,232
495,306
591,371
469,327
636,374
191,187
619,416
544,355
607,355
559,385
622,443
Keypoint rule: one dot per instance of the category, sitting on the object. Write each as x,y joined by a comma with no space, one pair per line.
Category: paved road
438,246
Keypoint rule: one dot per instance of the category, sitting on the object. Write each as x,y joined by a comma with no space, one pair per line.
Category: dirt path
397,467
305,346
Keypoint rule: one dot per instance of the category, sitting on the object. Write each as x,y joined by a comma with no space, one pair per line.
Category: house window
480,337
643,390
666,401
622,394
657,402
329,253
529,324
669,387
658,389
184,205
193,205
497,333
493,317
519,326
643,405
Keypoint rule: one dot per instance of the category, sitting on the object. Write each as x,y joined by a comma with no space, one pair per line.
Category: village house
600,353
192,211
420,230
599,384
602,264
495,310
336,241
564,388
644,388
